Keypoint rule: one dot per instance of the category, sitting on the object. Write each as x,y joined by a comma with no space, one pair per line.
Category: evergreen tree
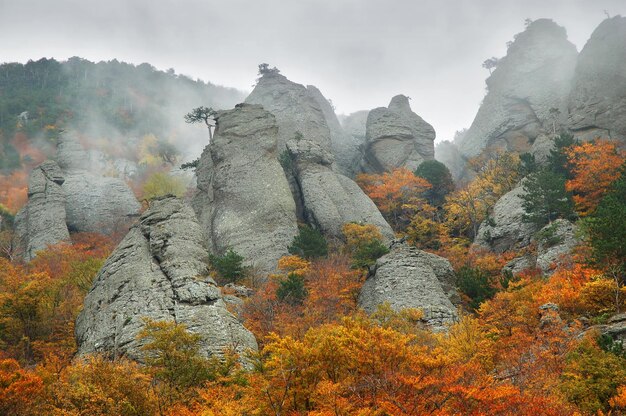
292,290
545,198
557,159
309,243
438,175
229,266
606,228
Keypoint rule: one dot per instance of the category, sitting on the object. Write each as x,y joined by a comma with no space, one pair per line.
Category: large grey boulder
345,147
243,199
42,221
396,137
554,243
296,109
330,199
94,202
506,228
527,92
410,278
158,272
597,104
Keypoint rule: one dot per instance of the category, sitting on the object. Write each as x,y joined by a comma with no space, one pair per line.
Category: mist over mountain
169,246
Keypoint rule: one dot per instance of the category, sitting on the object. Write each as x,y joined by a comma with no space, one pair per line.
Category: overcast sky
358,53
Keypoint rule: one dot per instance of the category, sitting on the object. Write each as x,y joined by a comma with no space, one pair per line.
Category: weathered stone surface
510,231
330,199
295,108
158,272
448,153
597,104
396,137
345,147
94,202
530,81
559,240
411,278
243,199
42,221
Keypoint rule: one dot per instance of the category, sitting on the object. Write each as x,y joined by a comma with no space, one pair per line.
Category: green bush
292,290
367,254
229,266
309,244
475,284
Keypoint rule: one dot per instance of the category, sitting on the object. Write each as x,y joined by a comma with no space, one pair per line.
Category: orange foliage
14,190
332,293
19,390
30,155
594,166
398,195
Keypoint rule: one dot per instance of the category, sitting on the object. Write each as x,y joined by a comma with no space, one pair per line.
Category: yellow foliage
294,264
161,184
602,296
358,234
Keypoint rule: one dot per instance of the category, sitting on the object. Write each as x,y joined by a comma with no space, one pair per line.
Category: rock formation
411,278
396,137
554,244
157,272
42,221
330,199
94,202
345,147
296,109
243,199
527,92
555,241
506,229
597,104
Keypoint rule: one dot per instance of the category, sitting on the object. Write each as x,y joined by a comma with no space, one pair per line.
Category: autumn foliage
594,165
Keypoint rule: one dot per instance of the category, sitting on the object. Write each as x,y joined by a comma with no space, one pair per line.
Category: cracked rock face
411,278
158,272
94,202
597,104
295,108
508,230
527,92
396,137
244,201
42,221
330,199
345,147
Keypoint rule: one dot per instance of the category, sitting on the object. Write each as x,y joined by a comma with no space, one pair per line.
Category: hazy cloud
359,53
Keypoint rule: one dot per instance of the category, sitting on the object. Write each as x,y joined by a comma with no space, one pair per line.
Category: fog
358,53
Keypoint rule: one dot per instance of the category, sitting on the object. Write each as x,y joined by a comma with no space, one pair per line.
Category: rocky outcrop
506,229
554,242
158,272
296,110
411,278
243,199
597,104
330,199
448,153
396,137
527,92
42,221
345,147
94,202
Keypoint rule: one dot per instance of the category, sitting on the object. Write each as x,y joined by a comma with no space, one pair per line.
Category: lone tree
491,63
264,69
202,114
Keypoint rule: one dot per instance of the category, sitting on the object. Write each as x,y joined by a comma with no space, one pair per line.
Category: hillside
309,267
